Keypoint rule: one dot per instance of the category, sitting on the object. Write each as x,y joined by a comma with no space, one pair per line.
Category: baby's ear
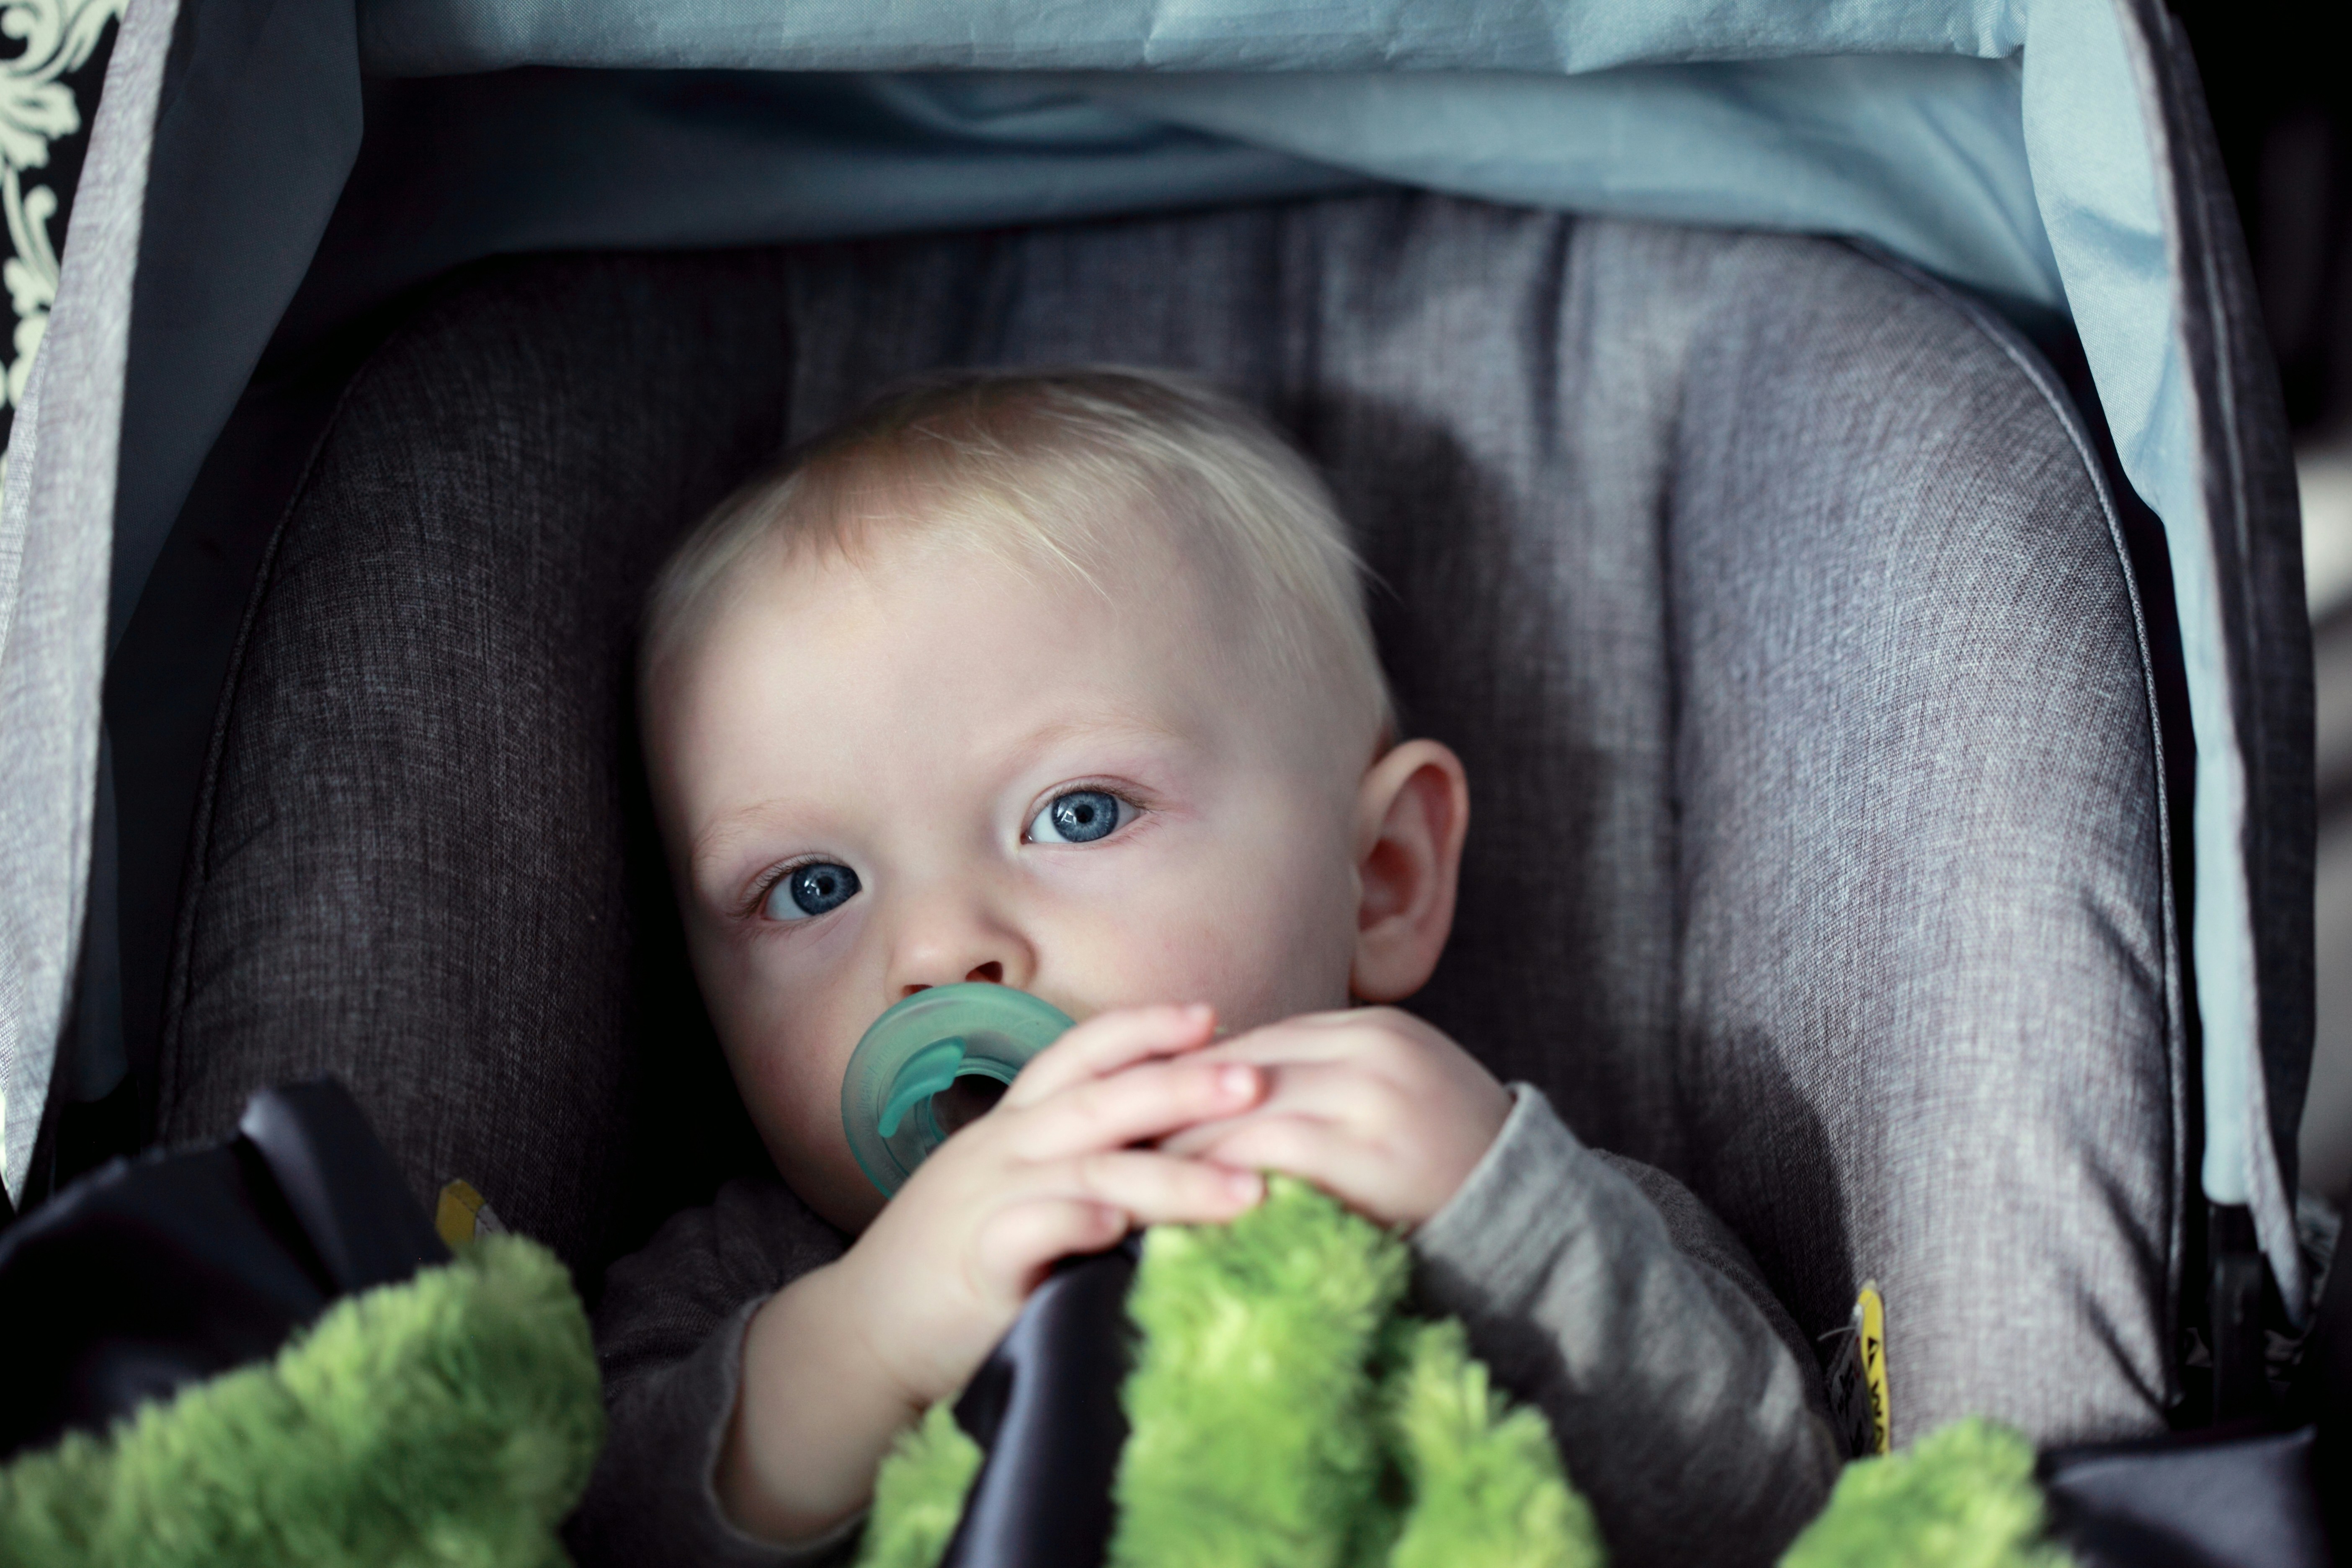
1412,811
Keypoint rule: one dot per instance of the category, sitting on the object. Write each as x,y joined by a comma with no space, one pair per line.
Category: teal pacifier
933,1063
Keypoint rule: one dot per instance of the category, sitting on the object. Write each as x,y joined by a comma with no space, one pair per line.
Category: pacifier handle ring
920,1047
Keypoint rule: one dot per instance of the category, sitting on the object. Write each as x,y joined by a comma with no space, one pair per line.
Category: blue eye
816,888
1080,817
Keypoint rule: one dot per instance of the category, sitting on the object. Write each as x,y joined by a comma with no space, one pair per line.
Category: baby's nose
989,973
951,930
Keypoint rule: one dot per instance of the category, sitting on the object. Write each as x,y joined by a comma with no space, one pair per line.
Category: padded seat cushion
1817,851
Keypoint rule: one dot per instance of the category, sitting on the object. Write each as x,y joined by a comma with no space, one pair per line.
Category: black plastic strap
350,1201
1045,1407
153,1274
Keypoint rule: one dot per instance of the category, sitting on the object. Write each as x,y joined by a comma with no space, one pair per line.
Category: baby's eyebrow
1091,726
721,831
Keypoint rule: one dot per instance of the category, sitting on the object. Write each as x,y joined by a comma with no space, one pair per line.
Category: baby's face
927,765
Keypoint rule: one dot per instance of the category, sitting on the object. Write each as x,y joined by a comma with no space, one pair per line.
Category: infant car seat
1774,596
1828,718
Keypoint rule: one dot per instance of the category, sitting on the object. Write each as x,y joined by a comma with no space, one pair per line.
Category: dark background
2279,86
2278,83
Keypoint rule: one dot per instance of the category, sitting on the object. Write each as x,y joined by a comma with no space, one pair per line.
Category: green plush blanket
1287,1410
450,1420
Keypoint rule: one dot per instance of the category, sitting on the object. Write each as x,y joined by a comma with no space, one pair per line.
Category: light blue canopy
2020,149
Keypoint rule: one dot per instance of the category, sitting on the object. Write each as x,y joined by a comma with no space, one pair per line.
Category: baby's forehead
983,637
1131,554
1178,507
898,576
1187,582
939,679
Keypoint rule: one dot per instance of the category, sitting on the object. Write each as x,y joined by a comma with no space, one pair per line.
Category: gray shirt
1687,1406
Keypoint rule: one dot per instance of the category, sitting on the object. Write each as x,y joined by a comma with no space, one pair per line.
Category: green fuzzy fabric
1962,1497
919,1494
1285,1410
448,1420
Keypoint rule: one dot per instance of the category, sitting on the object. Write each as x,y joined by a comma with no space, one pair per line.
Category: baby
1062,681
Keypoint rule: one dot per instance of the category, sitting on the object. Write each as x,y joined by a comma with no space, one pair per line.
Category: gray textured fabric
1695,1231
56,531
1816,854
1687,1410
1928,1030
420,864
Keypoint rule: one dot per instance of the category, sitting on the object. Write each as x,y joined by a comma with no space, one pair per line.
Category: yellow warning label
1855,1380
1870,1336
458,1214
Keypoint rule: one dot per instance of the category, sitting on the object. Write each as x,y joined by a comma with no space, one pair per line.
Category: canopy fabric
1555,37
2019,148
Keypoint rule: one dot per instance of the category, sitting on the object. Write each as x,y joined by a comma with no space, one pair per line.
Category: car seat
1775,595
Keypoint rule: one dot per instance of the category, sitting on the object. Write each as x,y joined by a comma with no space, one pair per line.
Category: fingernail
1246,1185
1237,1081
1198,1010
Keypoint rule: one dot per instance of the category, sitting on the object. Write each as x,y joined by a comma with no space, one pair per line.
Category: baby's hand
1052,1171
1372,1105
837,1364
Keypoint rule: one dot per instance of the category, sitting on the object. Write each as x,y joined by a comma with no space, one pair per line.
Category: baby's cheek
795,1101
772,1091
783,1066
1256,959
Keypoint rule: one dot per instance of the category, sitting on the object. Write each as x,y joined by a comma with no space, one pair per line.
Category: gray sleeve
669,1340
1687,1407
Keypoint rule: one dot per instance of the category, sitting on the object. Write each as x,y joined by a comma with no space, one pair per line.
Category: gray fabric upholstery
1926,1000
1816,854
412,867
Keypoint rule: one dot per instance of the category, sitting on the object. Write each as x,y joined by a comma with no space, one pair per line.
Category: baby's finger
1017,1243
1109,1041
1158,1189
1338,1092
1087,1204
1359,1172
1143,1102
1296,1040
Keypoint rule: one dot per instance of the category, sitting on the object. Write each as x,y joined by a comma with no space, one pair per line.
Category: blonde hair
1058,465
